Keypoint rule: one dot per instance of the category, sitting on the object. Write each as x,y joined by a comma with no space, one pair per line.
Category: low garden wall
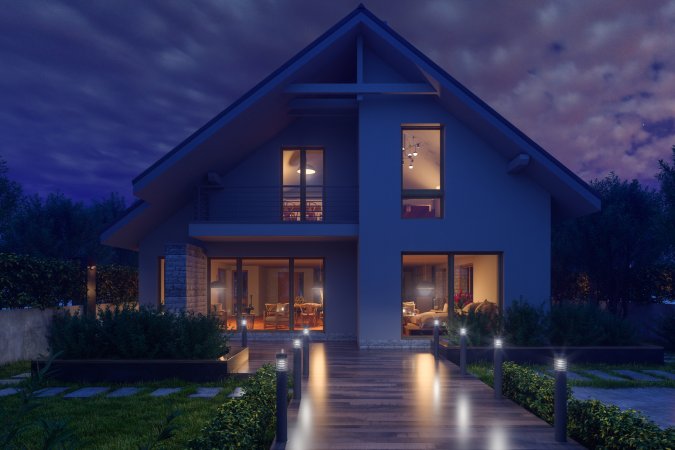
643,354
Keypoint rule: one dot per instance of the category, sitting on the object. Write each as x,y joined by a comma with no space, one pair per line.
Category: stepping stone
604,375
86,392
123,392
636,375
8,391
206,392
162,392
661,373
10,381
50,391
237,393
22,375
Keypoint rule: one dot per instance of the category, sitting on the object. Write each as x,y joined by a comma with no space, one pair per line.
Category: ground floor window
270,293
436,285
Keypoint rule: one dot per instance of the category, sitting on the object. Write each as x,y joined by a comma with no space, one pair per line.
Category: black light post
305,352
244,333
560,400
297,370
497,360
462,351
282,385
436,338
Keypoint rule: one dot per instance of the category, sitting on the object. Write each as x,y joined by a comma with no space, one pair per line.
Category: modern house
358,190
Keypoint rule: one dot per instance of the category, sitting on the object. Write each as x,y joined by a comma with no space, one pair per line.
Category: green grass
14,368
483,371
119,423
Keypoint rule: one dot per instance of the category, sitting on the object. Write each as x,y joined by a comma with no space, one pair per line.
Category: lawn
117,423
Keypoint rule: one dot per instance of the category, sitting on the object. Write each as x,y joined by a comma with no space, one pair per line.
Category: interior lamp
309,170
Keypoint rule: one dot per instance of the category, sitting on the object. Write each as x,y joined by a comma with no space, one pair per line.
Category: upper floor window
302,185
422,174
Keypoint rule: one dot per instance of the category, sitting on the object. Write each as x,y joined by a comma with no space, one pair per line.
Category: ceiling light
309,171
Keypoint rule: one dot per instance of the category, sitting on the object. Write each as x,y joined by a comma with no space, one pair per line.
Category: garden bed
142,370
643,354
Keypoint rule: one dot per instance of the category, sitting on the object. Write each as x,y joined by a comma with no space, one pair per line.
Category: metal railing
277,204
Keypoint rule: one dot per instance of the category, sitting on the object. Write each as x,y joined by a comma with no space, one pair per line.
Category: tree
10,194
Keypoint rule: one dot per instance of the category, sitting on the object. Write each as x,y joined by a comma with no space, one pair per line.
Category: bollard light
244,333
436,339
297,369
305,353
282,385
497,360
462,351
560,399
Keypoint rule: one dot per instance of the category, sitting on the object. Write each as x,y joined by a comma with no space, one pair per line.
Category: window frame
303,183
426,194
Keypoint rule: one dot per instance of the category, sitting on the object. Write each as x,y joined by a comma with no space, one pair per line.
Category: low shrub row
589,422
145,333
48,282
248,422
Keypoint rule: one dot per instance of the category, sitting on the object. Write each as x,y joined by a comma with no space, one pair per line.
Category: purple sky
92,93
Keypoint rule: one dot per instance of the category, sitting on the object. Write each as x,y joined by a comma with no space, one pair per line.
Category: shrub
585,325
525,325
665,331
127,333
480,327
248,422
593,424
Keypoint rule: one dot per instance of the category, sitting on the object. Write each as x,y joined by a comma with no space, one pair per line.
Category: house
359,190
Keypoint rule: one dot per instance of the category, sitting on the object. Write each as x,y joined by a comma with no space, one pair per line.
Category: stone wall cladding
185,278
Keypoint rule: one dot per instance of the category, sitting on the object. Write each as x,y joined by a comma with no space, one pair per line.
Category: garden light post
282,385
244,333
497,359
305,352
560,400
436,338
297,369
462,351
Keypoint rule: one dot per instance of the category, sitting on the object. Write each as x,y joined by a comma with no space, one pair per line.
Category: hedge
47,282
246,423
146,333
589,422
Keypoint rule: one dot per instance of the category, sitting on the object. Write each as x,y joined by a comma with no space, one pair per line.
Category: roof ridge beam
362,88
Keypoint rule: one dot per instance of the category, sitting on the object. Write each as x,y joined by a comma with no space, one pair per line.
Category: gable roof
164,186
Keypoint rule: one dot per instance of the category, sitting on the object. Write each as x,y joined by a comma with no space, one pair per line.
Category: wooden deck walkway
400,399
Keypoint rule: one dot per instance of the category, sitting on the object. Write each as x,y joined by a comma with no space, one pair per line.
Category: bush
526,325
480,327
127,333
248,422
593,424
48,282
665,331
587,325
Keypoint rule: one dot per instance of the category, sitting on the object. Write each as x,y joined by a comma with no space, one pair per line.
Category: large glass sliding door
270,293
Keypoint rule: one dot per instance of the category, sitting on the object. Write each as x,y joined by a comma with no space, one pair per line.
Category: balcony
277,205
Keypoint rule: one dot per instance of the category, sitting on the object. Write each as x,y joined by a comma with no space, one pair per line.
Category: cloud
95,92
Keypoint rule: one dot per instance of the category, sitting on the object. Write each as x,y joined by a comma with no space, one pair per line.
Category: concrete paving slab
654,402
661,373
124,392
50,391
22,375
605,376
10,381
237,393
637,375
8,391
162,392
573,376
86,392
206,392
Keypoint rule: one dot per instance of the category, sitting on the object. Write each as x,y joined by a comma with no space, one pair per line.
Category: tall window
422,174
302,185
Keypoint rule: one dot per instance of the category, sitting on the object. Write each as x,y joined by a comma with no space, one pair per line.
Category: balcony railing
277,204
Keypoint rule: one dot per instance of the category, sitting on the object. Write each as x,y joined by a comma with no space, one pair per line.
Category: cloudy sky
93,92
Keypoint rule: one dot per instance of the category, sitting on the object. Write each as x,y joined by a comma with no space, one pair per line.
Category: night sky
93,92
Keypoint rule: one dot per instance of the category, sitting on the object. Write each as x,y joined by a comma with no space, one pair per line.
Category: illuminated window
302,185
422,174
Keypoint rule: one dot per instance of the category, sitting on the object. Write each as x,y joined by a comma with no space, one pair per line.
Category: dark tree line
624,253
55,226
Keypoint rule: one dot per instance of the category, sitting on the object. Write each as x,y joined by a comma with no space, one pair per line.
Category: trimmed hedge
127,333
48,282
591,423
246,423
